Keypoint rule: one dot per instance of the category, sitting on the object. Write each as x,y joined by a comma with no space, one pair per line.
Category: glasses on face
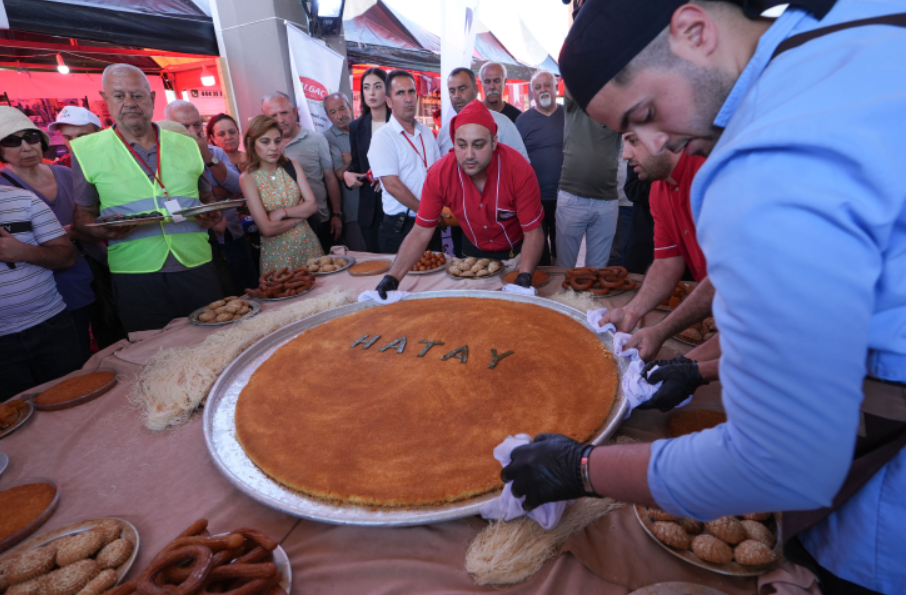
32,137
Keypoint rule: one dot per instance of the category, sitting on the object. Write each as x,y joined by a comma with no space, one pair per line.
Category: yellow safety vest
124,187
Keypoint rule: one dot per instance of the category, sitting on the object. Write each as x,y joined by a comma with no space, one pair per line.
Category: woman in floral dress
278,204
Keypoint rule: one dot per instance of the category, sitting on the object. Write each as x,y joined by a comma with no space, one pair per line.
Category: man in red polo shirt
675,248
493,192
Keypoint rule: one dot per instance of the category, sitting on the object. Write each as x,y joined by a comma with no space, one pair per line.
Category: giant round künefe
402,420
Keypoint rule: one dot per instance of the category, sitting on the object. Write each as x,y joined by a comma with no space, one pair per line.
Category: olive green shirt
591,156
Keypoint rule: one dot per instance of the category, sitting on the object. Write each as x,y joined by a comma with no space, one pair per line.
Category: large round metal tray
230,458
128,531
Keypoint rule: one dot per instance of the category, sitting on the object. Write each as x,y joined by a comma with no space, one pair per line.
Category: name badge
172,207
505,215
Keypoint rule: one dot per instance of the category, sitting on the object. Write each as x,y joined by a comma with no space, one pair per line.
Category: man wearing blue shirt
801,212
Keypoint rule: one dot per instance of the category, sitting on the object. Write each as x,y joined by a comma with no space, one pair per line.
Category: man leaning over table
491,190
161,271
809,278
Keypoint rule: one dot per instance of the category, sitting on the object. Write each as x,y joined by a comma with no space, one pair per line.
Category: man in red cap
493,192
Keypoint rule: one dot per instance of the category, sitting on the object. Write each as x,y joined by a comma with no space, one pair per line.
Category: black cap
608,34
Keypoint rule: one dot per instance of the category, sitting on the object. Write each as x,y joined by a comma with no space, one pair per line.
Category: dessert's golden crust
73,388
758,532
712,549
29,565
114,553
727,528
382,428
752,553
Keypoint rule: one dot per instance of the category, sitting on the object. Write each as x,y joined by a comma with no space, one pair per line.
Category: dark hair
381,74
462,69
397,74
257,127
209,129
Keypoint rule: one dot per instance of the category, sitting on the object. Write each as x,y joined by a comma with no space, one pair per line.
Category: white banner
316,71
4,19
458,21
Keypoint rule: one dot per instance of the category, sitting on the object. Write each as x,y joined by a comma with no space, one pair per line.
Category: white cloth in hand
518,289
506,506
392,296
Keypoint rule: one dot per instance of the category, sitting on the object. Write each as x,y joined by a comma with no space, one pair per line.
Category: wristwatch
213,162
340,215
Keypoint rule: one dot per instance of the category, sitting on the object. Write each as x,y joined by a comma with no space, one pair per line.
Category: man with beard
339,111
493,82
490,189
542,130
813,380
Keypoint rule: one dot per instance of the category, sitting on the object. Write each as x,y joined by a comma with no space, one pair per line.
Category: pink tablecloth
108,464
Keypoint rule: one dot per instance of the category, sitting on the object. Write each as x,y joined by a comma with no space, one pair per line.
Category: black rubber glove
680,376
523,280
388,283
547,470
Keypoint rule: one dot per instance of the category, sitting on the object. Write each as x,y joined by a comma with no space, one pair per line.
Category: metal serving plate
129,222
255,306
4,461
24,415
230,458
499,272
222,205
289,297
447,260
128,531
98,392
350,260
39,520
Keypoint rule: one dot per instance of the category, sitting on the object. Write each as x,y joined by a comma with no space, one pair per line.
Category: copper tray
30,528
230,458
128,532
375,271
24,415
78,400
731,569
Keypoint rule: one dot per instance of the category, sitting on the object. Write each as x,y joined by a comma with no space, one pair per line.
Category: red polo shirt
674,228
494,220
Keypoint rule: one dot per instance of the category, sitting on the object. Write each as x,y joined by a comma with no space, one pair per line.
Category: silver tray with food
253,308
474,269
231,459
438,256
332,264
283,299
10,420
211,207
119,557
768,529
120,220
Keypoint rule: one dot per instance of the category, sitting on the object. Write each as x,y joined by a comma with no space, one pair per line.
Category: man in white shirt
463,88
401,153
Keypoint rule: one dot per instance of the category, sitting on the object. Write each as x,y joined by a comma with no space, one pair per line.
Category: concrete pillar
253,47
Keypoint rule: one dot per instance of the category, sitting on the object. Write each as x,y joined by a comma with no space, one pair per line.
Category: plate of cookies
679,293
474,268
88,557
328,265
748,545
698,333
226,311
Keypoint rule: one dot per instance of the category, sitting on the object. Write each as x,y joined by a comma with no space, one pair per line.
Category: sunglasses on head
32,137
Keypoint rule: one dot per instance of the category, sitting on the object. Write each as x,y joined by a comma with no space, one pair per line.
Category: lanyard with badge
424,157
171,205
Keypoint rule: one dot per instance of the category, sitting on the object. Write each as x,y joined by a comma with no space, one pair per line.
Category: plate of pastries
367,268
604,282
13,415
679,293
78,389
474,268
327,265
226,311
698,333
430,262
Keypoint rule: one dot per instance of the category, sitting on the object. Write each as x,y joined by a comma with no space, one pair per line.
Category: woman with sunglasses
22,146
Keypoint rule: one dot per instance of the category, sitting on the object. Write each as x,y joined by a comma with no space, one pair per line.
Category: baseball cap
74,116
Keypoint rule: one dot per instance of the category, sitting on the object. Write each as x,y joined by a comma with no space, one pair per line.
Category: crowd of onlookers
358,184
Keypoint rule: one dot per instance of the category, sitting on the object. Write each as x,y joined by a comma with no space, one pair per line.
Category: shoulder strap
290,169
897,20
12,180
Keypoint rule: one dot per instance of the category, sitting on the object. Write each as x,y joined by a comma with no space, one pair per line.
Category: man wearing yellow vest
161,270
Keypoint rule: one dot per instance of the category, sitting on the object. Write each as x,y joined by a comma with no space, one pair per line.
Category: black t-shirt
510,111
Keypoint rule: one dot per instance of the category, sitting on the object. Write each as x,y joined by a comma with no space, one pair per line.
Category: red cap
474,113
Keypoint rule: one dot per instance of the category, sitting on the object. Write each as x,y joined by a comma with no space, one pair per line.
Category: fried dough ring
582,283
202,561
243,571
259,537
628,284
599,291
611,281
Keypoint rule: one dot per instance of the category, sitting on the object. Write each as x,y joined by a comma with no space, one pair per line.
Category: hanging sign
316,71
